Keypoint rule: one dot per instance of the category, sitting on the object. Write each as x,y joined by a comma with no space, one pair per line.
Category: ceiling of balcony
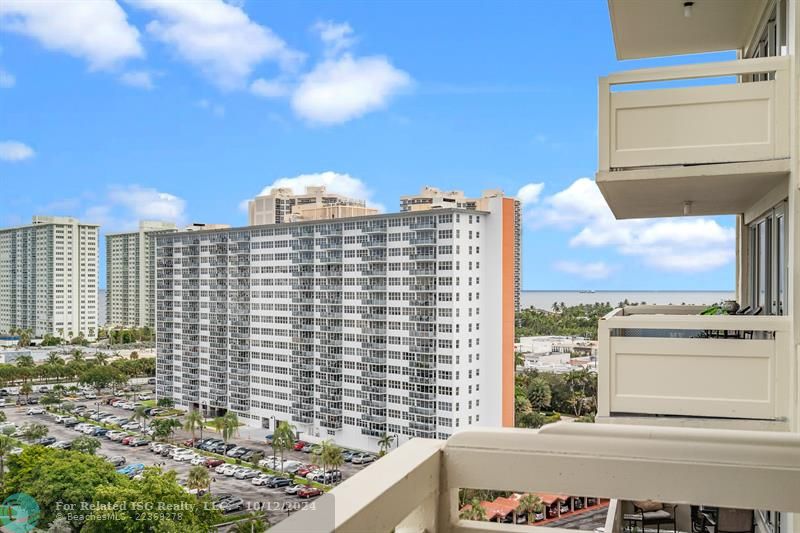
655,28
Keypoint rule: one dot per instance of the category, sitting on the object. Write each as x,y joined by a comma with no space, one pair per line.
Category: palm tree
26,389
221,426
194,420
6,445
199,479
385,442
140,414
25,361
101,359
283,439
321,454
529,504
230,424
77,356
334,458
54,359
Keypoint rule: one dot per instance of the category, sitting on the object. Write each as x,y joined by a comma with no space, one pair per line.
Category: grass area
148,403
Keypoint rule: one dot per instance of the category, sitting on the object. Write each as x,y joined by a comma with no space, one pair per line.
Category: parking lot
274,502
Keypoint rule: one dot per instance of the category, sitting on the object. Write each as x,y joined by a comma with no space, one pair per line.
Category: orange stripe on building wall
508,311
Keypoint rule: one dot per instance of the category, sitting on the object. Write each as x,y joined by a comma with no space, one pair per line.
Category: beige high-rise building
48,277
282,205
130,284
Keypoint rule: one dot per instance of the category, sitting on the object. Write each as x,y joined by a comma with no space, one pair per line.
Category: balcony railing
669,360
415,487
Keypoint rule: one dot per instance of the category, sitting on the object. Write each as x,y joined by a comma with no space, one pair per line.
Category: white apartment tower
283,205
48,277
398,324
130,275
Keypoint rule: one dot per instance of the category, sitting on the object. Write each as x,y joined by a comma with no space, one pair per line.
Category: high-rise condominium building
48,277
130,272
398,324
434,198
282,205
130,275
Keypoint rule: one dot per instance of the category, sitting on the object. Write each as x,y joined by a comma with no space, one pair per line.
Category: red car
304,470
308,492
127,440
212,463
299,445
190,442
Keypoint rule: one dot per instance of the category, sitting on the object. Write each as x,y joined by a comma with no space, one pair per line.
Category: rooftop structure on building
282,205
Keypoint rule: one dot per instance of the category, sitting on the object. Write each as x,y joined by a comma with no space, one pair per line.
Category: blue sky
113,112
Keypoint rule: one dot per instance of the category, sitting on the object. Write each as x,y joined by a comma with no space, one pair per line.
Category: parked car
362,459
197,460
45,441
138,442
277,482
347,455
210,462
127,440
70,422
230,505
332,476
248,455
61,445
293,489
262,479
245,473
35,411
228,470
308,492
299,445
307,448
303,471
116,460
237,452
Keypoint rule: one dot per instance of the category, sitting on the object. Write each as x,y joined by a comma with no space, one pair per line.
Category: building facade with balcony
48,277
130,275
399,324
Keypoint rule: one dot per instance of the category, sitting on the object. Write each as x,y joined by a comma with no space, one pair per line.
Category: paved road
257,498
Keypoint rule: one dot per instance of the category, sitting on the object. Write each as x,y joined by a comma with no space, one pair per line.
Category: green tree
252,524
3,416
333,456
6,445
57,476
140,415
154,490
34,431
227,425
199,479
25,361
384,443
164,428
166,403
86,444
475,511
529,504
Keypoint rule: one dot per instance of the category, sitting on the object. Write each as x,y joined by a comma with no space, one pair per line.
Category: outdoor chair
650,513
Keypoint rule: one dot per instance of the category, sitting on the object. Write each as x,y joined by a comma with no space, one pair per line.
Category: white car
261,479
79,427
90,396
184,456
221,468
35,411
229,470
197,459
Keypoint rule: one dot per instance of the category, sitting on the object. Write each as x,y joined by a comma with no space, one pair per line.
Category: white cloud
336,37
125,206
217,110
15,151
529,194
7,80
334,182
673,244
97,31
338,90
592,270
218,38
269,88
137,78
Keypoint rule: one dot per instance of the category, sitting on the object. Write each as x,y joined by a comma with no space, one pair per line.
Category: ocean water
546,299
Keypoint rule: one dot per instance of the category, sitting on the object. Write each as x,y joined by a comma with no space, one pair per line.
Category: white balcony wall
660,364
415,488
695,125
